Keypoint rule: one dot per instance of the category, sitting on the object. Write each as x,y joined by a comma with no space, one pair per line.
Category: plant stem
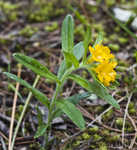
23,112
57,91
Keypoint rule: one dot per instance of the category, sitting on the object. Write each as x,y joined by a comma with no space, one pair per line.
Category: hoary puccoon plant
96,59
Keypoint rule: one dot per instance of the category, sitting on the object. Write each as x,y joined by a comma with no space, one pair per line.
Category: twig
126,111
98,117
14,108
23,112
6,118
2,135
3,143
132,67
134,125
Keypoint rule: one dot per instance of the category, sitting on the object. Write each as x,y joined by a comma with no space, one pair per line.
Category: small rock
61,127
57,120
122,15
23,148
134,24
92,97
125,15
123,55
4,59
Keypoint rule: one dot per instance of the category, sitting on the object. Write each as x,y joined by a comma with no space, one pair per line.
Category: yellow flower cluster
105,69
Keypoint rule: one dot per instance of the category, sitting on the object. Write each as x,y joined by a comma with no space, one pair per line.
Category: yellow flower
100,53
105,72
106,63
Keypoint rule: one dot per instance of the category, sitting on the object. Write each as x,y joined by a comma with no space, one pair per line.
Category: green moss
123,1
28,31
107,115
13,16
51,27
35,145
10,10
106,40
93,9
132,111
59,11
102,146
119,122
3,41
86,136
113,37
135,54
110,3
79,138
43,10
21,108
114,47
97,109
131,105
123,63
40,11
17,115
97,137
128,126
130,129
94,129
93,146
99,27
76,143
105,132
117,29
128,80
131,108
113,137
123,40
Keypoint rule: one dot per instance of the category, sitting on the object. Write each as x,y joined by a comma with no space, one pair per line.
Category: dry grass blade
134,125
13,109
126,112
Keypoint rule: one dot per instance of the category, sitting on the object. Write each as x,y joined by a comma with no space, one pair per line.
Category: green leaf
72,112
97,88
81,81
78,50
99,39
77,97
40,96
39,116
14,89
74,100
35,66
102,92
87,40
62,69
41,130
71,59
67,34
